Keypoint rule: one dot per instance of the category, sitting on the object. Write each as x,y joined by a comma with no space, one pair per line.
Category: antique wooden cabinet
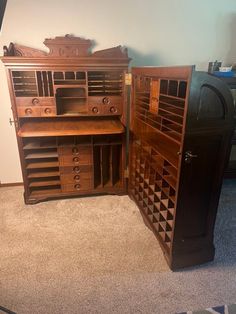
70,112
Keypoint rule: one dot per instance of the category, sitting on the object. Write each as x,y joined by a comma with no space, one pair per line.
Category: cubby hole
173,88
44,181
41,173
24,83
69,75
102,83
107,165
44,190
36,143
45,84
41,153
164,86
182,89
69,78
71,100
107,140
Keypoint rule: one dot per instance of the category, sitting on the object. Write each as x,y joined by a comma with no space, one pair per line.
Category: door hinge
14,121
128,79
126,173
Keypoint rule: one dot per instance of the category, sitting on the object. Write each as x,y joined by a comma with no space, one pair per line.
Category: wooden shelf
44,174
70,127
45,183
39,145
42,155
38,165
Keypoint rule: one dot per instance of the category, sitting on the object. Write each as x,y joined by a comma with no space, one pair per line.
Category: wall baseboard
3,185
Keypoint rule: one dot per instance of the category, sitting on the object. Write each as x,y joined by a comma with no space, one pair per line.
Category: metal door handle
188,156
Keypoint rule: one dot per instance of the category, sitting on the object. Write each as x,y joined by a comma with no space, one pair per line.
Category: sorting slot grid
24,83
152,192
105,83
171,104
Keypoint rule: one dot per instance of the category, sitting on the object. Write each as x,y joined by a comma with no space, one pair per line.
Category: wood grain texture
69,128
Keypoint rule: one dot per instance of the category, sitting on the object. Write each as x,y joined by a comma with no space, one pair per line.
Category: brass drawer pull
48,111
28,111
76,169
77,186
75,151
76,159
35,101
77,178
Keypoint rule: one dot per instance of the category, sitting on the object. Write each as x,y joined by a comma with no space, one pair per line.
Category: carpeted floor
95,255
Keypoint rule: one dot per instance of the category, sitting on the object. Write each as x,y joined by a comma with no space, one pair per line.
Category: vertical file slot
45,83
40,85
115,163
105,164
97,166
50,84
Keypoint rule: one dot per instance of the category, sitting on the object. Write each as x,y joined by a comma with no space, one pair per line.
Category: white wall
157,32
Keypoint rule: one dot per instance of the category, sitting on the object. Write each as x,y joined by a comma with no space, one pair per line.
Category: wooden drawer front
109,105
115,109
35,101
86,170
77,187
75,155
75,178
48,111
105,100
33,111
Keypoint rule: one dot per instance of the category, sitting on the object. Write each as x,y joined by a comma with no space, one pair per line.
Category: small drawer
48,111
105,110
29,111
70,160
86,170
105,100
75,150
35,101
77,187
75,178
75,155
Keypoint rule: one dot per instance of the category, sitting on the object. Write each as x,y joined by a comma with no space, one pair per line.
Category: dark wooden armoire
75,131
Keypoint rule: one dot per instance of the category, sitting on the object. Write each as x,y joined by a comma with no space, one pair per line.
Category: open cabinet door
181,125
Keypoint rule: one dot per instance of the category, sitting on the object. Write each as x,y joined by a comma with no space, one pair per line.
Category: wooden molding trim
3,185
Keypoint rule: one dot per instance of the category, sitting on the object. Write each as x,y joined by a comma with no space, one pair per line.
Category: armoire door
179,136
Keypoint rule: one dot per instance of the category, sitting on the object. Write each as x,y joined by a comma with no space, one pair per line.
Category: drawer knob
77,186
47,110
76,169
113,109
75,150
76,159
106,101
28,111
95,110
77,177
35,101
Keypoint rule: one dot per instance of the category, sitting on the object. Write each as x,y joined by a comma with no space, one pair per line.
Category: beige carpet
95,255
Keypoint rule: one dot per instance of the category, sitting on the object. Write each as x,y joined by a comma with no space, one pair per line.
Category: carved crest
68,46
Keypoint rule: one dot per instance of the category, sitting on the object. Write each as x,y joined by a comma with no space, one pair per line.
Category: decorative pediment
23,51
68,46
65,46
